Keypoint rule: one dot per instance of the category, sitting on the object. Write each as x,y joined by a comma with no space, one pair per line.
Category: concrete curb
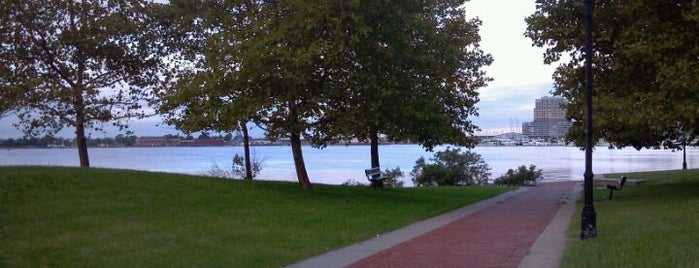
547,251
350,254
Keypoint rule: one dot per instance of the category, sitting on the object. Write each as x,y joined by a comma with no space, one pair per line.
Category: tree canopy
75,64
407,72
646,68
328,70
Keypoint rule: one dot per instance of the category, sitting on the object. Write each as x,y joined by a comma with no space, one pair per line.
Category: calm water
337,164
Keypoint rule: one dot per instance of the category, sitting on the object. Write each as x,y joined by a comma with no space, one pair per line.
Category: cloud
520,76
516,62
507,107
515,92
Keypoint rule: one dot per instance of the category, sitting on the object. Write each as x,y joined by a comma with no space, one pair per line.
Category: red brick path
497,236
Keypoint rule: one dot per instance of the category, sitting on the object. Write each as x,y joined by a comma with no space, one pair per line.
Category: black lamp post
684,153
589,217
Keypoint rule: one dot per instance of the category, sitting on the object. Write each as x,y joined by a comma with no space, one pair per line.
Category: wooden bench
618,187
375,177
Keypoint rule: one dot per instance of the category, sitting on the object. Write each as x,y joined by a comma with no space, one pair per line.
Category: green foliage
522,176
129,139
75,64
653,224
352,182
326,70
201,38
393,177
645,68
427,99
228,137
237,169
71,217
451,167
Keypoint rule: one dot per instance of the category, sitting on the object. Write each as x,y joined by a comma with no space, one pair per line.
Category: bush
451,167
522,176
238,166
352,182
237,170
392,176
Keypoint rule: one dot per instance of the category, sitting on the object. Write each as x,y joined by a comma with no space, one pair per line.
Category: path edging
547,251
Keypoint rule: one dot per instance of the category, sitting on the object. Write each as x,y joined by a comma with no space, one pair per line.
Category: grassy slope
655,224
68,217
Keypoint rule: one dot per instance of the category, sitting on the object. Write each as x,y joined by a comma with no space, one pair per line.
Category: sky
519,72
520,76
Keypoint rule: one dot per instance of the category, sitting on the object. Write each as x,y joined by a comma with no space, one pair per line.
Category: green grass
68,217
655,224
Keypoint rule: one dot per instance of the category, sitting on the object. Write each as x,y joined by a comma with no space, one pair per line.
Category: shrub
352,182
522,176
238,166
237,170
451,167
392,176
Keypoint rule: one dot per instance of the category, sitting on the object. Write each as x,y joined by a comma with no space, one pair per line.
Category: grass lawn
655,224
68,217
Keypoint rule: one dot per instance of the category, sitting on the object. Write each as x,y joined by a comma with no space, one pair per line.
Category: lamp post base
589,223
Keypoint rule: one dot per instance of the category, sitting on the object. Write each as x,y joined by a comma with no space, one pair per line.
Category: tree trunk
295,137
246,148
80,137
79,106
374,138
301,173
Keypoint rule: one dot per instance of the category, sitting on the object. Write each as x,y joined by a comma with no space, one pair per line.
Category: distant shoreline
280,145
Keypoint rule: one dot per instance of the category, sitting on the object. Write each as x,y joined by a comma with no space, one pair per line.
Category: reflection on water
337,164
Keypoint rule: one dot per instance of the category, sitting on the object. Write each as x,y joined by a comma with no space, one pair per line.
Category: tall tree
646,67
203,39
325,70
75,64
282,65
410,73
250,60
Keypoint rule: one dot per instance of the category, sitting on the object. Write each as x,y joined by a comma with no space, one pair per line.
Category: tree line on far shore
120,140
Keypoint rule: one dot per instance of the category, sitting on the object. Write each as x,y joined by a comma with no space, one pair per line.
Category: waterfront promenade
524,228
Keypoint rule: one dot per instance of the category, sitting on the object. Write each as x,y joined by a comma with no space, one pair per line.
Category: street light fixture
588,215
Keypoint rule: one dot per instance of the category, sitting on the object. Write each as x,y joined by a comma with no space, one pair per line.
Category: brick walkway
497,236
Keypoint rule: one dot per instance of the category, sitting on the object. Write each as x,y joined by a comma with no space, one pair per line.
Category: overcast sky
519,73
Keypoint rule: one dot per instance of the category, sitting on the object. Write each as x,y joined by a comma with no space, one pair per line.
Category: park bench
618,187
375,177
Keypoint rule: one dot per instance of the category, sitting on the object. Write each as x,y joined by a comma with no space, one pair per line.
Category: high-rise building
549,119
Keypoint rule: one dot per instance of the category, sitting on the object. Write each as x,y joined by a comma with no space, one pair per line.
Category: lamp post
588,215
684,153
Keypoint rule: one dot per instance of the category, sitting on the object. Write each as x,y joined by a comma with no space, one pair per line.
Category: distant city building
549,119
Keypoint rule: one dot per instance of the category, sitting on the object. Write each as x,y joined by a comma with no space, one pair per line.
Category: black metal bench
375,176
618,187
